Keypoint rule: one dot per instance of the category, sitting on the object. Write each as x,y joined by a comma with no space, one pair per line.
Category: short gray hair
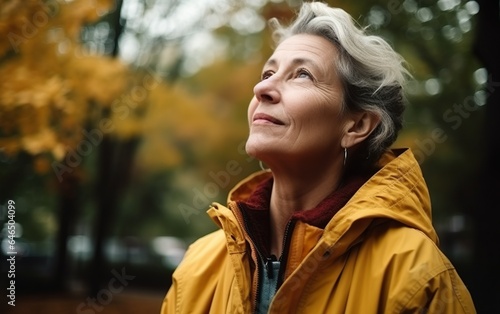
372,73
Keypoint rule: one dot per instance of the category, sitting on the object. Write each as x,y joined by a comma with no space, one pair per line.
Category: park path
138,302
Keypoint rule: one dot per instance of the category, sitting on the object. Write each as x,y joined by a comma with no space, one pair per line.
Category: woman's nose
267,90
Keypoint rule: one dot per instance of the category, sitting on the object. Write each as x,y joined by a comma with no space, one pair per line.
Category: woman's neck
298,191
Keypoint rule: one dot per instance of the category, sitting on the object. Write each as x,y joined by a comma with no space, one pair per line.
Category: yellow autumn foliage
175,119
52,90
48,85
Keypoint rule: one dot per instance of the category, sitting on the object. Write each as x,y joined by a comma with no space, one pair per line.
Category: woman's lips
264,118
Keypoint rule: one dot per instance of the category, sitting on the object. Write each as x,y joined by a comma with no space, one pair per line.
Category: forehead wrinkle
295,62
313,51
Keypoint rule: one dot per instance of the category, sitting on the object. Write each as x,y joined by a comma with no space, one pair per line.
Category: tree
50,91
83,108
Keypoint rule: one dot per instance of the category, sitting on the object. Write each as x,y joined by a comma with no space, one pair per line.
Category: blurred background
121,121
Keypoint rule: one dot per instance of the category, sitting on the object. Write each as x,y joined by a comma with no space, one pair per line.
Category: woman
339,223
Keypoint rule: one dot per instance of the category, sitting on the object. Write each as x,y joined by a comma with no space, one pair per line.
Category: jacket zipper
284,254
267,261
261,258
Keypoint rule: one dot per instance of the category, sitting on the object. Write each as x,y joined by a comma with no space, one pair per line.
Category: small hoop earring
261,164
345,156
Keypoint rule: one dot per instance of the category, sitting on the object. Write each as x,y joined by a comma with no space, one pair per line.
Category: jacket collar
396,192
256,210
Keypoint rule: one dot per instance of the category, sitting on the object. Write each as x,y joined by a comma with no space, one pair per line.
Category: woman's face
296,110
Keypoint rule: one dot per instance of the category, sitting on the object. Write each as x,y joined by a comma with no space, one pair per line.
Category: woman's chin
260,150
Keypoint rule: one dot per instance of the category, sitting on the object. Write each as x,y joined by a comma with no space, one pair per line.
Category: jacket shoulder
418,274
404,251
205,250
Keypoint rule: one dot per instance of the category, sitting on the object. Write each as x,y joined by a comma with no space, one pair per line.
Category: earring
345,156
261,164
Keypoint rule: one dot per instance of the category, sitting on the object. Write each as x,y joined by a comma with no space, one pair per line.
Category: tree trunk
115,164
485,288
113,169
69,207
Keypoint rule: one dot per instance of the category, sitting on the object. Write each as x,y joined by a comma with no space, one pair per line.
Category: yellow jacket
378,254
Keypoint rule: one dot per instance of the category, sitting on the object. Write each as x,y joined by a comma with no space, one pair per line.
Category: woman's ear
358,127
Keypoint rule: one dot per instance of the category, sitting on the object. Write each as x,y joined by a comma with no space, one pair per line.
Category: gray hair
372,73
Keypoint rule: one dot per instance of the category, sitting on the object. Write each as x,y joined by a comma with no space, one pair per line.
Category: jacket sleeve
196,278
445,293
168,305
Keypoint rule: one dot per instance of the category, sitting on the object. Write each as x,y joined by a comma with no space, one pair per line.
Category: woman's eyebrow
296,61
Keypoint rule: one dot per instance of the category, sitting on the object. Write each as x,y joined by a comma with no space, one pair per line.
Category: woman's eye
302,73
266,75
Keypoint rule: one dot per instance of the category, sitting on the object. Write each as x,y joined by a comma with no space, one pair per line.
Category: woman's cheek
251,109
